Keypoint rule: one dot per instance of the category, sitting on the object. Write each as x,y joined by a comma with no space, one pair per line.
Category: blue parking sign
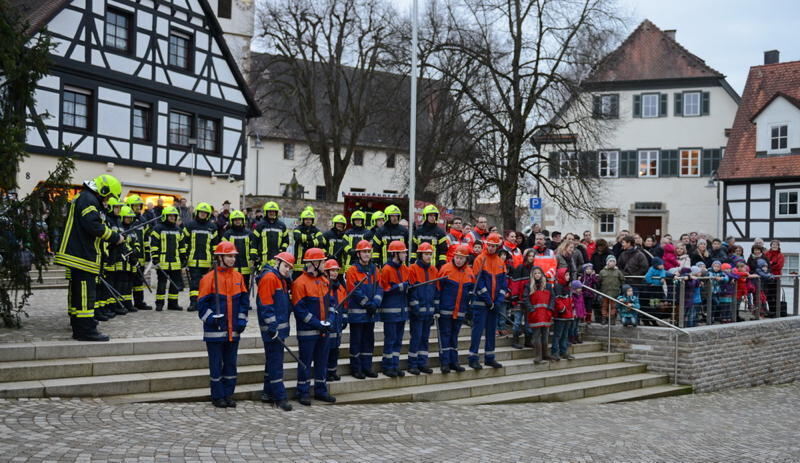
535,203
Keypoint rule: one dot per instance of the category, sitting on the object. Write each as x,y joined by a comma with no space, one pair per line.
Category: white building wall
266,170
689,204
779,112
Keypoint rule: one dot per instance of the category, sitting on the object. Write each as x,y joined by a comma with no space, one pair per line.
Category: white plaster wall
266,170
781,112
162,181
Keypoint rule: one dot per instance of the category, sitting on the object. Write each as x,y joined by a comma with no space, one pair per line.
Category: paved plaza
756,425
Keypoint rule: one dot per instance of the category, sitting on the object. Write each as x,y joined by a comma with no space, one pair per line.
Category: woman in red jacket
538,301
776,260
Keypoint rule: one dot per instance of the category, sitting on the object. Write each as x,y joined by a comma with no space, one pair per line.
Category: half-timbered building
761,168
146,90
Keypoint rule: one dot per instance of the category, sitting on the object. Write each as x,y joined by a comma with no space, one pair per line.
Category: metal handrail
669,325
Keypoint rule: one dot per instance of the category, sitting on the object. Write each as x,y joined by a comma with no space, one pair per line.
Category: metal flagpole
412,153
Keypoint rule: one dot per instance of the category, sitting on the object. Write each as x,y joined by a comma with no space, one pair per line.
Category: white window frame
686,106
650,157
612,164
611,224
691,154
785,138
564,160
788,203
657,98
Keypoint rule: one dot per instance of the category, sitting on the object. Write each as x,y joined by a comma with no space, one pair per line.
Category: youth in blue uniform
394,308
361,310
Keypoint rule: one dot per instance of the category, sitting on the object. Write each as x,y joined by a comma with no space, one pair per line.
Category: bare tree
530,57
324,75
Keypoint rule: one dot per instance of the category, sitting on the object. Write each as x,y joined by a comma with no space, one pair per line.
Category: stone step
41,286
495,385
653,392
153,381
29,370
349,385
572,390
49,350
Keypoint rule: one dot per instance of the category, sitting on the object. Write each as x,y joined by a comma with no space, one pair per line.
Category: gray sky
730,35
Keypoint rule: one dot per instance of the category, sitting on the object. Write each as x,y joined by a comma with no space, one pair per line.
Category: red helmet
331,264
285,257
425,247
494,238
363,245
463,250
225,248
397,246
313,254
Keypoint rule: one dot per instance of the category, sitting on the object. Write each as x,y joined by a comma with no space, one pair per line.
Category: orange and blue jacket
394,280
422,300
223,321
311,304
273,305
491,286
455,291
369,293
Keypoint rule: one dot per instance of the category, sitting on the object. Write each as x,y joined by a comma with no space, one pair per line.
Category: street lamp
192,143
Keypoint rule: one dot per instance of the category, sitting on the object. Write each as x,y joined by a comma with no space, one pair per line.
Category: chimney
772,57
671,33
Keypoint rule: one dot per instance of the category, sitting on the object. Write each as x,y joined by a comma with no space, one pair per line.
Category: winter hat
588,265
656,262
701,265
625,288
686,271
694,269
725,267
561,276
610,258
761,262
576,284
716,262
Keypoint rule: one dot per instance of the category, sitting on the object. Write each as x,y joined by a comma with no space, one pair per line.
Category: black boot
230,402
174,306
400,373
515,342
143,306
284,405
266,398
426,370
359,375
119,310
332,376
129,307
325,398
475,364
414,371
528,340
100,316
192,306
494,364
219,403
458,368
159,306
91,337
390,373
370,374
445,369
304,400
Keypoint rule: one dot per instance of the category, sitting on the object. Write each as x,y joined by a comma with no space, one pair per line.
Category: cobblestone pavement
48,320
746,425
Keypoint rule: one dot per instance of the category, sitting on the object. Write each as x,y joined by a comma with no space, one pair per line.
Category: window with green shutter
678,111
706,103
711,159
637,105
662,106
553,167
669,163
628,164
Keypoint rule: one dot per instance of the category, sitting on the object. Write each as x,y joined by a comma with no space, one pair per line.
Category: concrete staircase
52,278
175,369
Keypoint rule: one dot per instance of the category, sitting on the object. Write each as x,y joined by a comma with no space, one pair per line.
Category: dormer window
779,137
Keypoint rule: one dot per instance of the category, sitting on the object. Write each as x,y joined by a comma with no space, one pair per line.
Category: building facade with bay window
147,91
664,115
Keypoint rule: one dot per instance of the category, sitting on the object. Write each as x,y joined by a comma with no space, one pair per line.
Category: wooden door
648,226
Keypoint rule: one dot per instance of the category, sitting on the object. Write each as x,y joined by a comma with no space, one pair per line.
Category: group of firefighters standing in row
437,287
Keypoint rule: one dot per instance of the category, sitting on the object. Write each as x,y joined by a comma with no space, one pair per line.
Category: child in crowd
765,279
719,292
538,300
656,289
628,300
590,280
611,279
562,316
579,306
477,248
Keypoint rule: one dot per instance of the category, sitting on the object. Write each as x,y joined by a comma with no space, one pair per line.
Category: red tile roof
647,54
763,84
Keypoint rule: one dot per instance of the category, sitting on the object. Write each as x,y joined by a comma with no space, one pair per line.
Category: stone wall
718,357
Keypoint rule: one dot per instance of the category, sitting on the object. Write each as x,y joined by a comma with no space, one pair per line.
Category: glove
468,317
371,308
272,334
402,286
325,326
240,325
436,315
